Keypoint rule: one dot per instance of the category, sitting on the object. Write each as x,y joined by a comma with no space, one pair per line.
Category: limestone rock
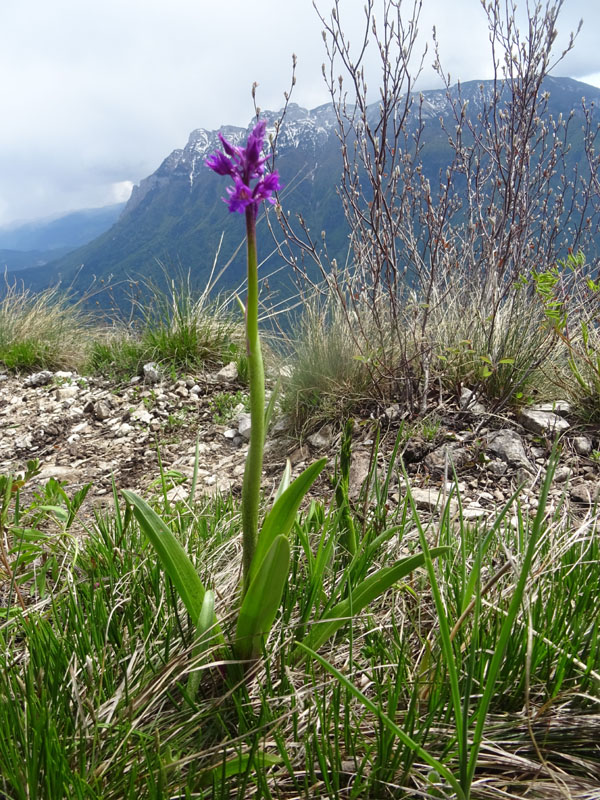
586,493
39,378
101,410
543,422
244,426
582,445
468,402
141,414
228,373
322,439
359,470
151,372
560,407
67,392
508,445
446,456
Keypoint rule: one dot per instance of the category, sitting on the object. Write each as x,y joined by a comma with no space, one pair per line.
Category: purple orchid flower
244,165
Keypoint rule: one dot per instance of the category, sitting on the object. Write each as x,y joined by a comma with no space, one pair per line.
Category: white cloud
121,191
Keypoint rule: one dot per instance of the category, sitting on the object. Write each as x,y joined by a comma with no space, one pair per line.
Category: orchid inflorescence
244,165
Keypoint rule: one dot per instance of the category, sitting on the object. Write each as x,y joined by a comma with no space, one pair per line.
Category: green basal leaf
262,600
59,512
236,765
174,559
280,518
203,628
362,595
285,479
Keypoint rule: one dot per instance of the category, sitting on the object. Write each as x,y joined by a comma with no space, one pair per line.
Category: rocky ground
86,430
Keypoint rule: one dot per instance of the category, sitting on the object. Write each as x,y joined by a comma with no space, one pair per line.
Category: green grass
42,331
223,405
181,330
475,676
485,663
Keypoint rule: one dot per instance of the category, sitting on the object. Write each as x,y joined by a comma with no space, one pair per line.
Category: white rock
244,426
101,410
39,378
508,445
432,499
178,493
321,439
141,414
562,474
228,373
65,392
473,512
468,402
151,372
542,422
561,407
582,445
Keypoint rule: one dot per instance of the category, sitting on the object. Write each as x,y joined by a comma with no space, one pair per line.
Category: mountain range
38,242
175,219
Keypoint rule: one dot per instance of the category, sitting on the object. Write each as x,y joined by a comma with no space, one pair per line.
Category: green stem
253,470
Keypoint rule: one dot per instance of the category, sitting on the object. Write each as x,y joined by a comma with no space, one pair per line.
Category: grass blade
443,771
362,595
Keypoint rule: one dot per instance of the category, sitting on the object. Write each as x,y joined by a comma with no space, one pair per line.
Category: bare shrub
505,198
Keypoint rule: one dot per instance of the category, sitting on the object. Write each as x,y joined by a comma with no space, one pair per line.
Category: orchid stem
253,469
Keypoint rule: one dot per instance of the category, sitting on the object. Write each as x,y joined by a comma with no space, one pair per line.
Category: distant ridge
175,215
63,232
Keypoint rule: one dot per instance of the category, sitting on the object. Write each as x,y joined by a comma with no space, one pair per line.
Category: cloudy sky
95,93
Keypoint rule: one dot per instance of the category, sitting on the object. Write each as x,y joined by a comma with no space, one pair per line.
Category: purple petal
229,148
220,164
255,143
240,196
265,187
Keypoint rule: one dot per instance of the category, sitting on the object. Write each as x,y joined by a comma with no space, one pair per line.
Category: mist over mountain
36,243
176,218
58,233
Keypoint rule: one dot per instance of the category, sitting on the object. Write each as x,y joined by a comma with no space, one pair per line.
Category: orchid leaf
262,600
367,591
280,518
285,479
204,626
175,561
